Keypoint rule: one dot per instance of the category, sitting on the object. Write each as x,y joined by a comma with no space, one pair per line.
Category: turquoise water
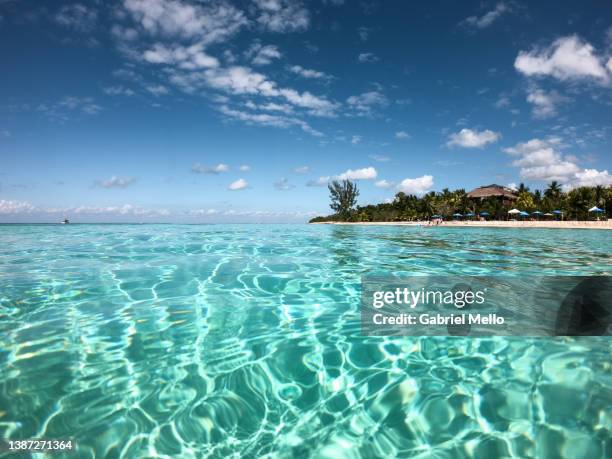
244,341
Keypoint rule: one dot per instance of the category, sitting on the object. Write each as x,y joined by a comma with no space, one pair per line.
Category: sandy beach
601,224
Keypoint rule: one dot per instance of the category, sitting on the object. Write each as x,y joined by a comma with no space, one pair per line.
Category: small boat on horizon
65,221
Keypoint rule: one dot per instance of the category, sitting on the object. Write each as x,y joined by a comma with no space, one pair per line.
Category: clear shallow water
244,341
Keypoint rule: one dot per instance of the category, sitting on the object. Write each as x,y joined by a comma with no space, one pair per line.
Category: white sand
602,224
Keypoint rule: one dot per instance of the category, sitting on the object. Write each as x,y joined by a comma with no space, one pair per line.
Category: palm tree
553,191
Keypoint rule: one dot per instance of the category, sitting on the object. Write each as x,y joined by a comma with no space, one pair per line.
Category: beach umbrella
457,215
557,212
484,214
548,214
524,214
595,209
470,214
514,211
537,212
436,216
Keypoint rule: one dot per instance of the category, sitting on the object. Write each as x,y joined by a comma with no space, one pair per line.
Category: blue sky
213,111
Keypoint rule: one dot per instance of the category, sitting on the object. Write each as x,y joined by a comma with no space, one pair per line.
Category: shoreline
602,224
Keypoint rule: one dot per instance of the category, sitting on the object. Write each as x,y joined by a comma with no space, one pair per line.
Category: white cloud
242,80
118,91
591,177
366,101
157,90
502,102
263,54
366,173
468,138
367,58
217,169
282,15
541,160
266,119
321,181
544,103
488,18
384,184
301,170
212,23
308,73
380,158
202,212
418,186
512,186
364,33
77,16
356,139
62,110
568,58
283,185
85,104
15,207
126,209
116,182
188,58
245,168
402,135
239,184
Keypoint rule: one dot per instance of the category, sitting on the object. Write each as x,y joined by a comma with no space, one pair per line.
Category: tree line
574,204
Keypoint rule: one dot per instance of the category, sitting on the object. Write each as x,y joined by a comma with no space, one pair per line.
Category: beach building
504,194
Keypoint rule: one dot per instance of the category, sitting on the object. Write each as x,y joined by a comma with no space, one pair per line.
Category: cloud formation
239,184
263,54
567,59
115,182
282,15
366,173
77,16
216,169
308,73
484,21
207,23
468,138
544,103
365,58
283,184
301,170
367,101
542,160
418,186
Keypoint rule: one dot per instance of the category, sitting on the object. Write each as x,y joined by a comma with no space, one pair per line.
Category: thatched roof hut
488,191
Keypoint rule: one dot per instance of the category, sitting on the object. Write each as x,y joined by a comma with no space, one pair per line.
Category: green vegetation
574,204
343,197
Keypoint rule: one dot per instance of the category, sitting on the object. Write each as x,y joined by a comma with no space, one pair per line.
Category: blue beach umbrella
537,212
484,214
457,215
436,216
558,212
595,209
524,214
470,214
